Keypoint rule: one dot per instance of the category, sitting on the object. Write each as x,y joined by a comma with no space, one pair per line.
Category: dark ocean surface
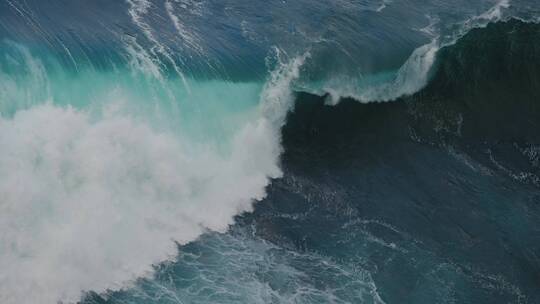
269,152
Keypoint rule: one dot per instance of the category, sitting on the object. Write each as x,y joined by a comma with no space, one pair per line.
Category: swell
389,202
112,125
482,95
436,194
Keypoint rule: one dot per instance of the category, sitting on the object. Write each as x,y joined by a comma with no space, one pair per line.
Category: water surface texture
332,151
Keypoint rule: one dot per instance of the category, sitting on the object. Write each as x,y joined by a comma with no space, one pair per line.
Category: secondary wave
128,127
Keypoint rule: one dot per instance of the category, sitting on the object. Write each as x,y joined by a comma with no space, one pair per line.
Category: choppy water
240,151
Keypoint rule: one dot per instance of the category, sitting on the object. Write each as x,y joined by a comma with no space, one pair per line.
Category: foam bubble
90,201
89,204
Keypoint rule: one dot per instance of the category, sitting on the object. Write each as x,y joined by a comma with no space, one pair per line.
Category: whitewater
124,138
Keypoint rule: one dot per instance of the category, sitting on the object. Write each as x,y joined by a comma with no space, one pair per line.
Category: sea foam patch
90,204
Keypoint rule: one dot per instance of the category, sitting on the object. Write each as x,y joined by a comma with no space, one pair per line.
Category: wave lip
468,141
414,73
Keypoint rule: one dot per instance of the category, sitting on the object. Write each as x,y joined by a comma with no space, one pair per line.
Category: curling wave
131,129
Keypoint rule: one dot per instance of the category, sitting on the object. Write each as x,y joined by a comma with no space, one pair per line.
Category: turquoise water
170,152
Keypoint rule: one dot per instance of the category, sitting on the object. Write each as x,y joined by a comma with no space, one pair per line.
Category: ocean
219,151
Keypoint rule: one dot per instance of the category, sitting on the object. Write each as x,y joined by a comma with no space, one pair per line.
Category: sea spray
91,199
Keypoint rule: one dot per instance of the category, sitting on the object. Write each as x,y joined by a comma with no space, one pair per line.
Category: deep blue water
198,151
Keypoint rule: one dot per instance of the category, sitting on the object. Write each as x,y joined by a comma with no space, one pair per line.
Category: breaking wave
129,129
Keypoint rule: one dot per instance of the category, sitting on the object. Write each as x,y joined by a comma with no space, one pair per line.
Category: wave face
135,135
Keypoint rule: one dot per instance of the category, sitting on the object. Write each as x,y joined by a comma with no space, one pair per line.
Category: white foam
411,77
414,73
138,9
91,202
188,37
277,93
495,13
88,205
